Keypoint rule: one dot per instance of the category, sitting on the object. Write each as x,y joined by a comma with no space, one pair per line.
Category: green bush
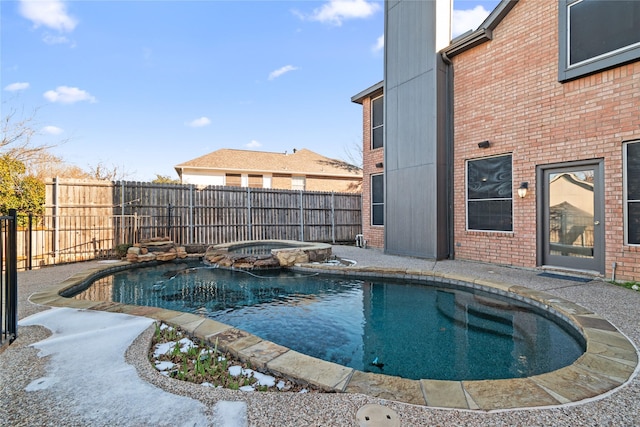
122,248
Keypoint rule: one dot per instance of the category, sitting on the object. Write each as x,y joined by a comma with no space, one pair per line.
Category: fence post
135,237
30,248
56,220
169,221
12,275
191,215
301,217
333,218
122,239
249,221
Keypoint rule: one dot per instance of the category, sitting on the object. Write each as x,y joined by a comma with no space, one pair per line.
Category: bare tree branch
354,153
17,134
112,173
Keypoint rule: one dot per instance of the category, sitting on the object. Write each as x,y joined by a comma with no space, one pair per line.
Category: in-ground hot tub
262,254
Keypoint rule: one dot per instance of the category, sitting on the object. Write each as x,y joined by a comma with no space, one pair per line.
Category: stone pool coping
609,362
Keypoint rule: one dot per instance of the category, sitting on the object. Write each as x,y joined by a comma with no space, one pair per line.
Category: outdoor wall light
522,191
379,165
484,144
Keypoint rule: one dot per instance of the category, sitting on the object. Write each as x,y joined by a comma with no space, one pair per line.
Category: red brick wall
507,92
374,235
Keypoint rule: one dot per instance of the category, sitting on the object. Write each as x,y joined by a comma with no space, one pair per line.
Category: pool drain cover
377,416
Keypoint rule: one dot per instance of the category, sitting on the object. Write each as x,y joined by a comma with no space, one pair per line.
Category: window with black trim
489,194
377,122
377,199
597,34
632,192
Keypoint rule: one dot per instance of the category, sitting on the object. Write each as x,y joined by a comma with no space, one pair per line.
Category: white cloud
254,144
68,95
336,11
280,71
198,123
469,19
51,14
379,46
14,87
52,39
52,130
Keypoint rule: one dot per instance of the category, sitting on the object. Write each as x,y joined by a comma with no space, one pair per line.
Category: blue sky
146,85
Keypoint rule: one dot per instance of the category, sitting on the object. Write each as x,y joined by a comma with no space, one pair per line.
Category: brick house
372,164
536,141
300,170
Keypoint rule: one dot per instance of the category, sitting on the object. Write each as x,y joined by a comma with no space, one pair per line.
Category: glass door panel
572,230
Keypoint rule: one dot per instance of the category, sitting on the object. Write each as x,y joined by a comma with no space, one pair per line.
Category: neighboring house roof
300,162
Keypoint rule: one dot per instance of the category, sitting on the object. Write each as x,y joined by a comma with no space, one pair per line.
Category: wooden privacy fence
214,214
89,219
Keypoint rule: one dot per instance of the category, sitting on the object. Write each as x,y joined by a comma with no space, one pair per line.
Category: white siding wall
202,178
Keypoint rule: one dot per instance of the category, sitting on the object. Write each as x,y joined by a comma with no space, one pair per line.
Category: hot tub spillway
265,254
240,261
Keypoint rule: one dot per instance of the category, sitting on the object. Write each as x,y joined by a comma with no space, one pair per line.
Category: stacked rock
156,249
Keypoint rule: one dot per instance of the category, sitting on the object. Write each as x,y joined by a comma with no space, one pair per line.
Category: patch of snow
264,380
40,384
163,348
186,344
230,414
235,370
87,367
281,384
247,388
165,366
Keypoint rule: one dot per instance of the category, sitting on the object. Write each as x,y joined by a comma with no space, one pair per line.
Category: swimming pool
403,329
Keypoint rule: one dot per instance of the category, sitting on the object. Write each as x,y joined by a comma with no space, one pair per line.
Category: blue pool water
410,330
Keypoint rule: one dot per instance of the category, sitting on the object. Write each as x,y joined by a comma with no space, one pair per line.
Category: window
297,183
233,179
377,199
255,181
377,122
632,192
597,34
489,194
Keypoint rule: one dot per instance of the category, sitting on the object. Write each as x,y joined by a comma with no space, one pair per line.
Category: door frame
542,200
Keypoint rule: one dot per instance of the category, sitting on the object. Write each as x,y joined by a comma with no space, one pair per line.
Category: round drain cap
377,416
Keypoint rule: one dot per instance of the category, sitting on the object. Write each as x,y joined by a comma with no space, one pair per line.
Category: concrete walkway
21,365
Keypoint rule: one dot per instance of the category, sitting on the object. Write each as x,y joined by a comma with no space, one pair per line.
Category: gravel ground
20,364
